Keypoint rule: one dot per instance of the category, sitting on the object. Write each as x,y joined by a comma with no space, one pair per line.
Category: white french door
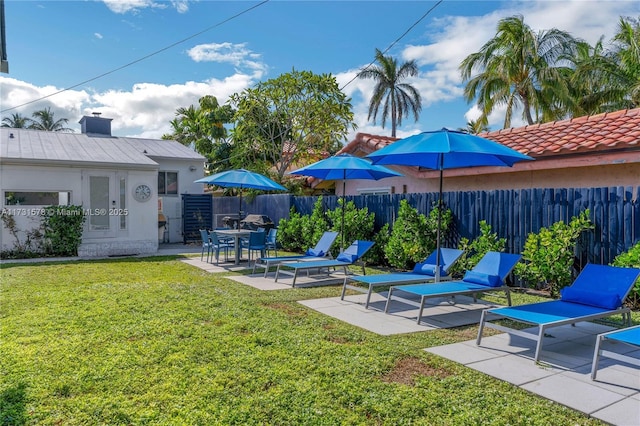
105,196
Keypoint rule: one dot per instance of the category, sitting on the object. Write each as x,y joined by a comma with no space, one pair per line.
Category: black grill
255,221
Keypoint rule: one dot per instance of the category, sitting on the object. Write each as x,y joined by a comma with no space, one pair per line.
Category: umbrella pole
240,208
437,277
343,208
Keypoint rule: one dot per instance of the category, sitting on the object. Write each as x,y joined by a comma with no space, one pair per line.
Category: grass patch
156,341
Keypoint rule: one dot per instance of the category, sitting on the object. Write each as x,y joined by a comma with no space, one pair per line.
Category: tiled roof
608,131
612,131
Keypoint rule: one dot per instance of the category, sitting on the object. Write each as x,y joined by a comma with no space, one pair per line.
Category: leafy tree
203,127
519,68
396,97
17,121
289,120
44,119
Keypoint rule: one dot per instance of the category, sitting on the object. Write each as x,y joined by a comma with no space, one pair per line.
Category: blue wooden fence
512,214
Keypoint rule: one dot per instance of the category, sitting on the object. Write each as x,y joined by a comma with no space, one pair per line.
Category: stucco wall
140,235
508,178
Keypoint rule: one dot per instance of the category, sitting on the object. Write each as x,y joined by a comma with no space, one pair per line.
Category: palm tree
607,80
399,98
519,68
17,121
45,120
475,126
627,53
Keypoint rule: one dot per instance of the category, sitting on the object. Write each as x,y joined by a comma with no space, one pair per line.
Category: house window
375,191
36,198
167,183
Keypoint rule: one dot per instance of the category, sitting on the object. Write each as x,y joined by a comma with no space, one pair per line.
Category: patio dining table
236,234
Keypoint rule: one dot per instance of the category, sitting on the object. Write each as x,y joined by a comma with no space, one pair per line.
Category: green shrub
63,229
376,255
548,255
317,225
298,233
413,236
291,234
358,224
474,250
631,258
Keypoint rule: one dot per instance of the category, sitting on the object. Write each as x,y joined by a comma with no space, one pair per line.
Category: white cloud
98,36
144,111
235,54
147,109
66,104
125,6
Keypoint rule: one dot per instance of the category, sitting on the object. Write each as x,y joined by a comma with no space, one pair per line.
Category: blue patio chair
349,256
255,242
228,240
206,243
598,292
218,245
629,337
271,243
320,251
488,275
423,272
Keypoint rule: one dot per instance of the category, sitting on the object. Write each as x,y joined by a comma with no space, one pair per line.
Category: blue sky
54,45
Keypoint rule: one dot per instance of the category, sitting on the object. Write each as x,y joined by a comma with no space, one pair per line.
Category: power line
140,59
395,41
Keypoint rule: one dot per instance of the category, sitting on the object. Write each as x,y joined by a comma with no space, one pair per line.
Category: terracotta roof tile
607,131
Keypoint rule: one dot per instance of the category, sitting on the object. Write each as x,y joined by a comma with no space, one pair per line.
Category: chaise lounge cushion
599,299
474,277
314,252
428,269
345,257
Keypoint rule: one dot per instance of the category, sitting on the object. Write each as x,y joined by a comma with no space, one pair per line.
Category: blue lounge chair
598,292
423,272
319,252
487,276
628,336
349,256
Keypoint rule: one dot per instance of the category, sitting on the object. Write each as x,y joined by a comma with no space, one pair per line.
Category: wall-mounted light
192,168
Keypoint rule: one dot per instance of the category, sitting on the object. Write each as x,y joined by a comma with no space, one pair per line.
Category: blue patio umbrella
241,178
446,149
343,167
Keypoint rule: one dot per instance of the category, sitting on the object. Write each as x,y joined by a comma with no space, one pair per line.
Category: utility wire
385,51
395,42
142,58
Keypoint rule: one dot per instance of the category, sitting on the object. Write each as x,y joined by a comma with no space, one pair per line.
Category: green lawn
156,341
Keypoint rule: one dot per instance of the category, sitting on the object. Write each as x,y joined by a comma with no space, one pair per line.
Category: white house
123,184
